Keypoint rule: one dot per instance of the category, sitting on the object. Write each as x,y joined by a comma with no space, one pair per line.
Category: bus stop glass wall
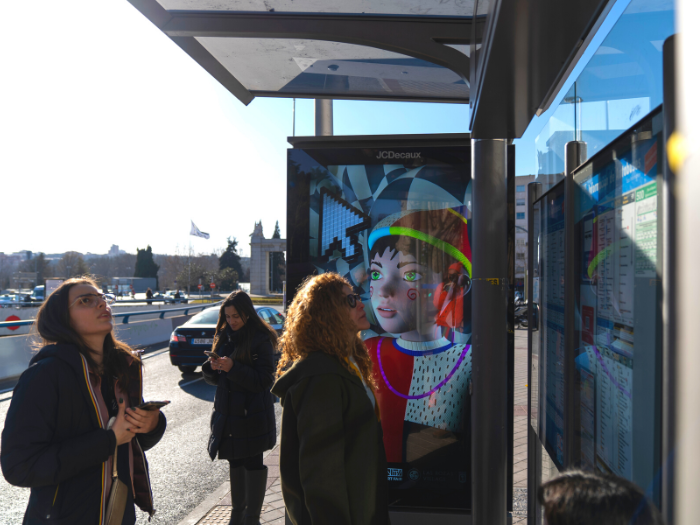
534,379
618,306
614,86
551,385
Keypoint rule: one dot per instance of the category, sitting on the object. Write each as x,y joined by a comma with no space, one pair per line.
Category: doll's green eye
375,275
411,277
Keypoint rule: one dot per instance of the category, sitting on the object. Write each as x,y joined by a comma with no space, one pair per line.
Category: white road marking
190,382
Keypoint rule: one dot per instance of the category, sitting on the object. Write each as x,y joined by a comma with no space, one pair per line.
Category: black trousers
251,463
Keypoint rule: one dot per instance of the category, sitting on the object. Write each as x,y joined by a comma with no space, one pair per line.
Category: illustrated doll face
400,289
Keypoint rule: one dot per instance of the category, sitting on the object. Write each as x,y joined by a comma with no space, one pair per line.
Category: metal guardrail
118,302
26,322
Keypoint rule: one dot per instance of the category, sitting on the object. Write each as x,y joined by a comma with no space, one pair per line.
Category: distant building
260,268
23,280
114,251
521,229
138,284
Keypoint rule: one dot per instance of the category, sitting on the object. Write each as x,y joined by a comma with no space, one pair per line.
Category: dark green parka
332,460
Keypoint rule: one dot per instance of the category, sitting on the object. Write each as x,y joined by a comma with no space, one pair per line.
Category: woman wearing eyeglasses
332,461
72,408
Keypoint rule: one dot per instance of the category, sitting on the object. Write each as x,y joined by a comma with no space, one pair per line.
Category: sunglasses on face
91,300
353,299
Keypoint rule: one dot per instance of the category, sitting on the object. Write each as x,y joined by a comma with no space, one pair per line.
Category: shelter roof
503,57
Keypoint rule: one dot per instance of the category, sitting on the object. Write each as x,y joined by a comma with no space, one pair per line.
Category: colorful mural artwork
400,233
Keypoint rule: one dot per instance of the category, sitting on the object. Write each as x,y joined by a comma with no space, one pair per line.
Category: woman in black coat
243,421
72,408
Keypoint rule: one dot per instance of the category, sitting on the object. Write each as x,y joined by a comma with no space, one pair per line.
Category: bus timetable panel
618,305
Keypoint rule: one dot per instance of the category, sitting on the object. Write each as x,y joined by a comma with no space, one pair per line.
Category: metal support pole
324,116
489,338
669,284
576,152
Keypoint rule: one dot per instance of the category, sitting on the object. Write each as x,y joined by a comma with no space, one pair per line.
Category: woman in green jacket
332,461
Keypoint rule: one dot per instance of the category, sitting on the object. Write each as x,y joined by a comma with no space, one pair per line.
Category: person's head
586,498
410,256
325,316
76,313
237,315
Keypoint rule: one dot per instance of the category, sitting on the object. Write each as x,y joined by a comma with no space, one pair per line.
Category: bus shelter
453,197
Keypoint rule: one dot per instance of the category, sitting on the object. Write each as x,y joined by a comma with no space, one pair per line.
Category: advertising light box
396,222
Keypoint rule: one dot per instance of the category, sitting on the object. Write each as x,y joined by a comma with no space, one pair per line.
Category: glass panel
618,305
264,314
314,67
210,316
551,360
537,324
461,8
619,85
560,129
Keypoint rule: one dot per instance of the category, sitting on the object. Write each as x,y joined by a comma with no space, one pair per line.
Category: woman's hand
223,363
142,421
121,427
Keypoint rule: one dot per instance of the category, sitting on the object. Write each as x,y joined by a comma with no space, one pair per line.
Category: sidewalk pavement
216,510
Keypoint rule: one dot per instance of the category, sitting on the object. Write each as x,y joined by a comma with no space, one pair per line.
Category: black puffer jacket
54,441
243,421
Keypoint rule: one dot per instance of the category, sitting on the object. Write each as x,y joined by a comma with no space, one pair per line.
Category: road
182,474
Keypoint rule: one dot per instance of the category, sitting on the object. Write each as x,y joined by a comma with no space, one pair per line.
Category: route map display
617,225
396,222
551,293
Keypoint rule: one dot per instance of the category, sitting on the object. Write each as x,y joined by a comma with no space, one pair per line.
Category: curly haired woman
332,460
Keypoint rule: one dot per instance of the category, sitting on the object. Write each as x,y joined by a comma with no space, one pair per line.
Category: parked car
169,297
8,300
189,341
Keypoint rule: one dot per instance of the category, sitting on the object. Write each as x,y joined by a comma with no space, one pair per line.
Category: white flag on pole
195,231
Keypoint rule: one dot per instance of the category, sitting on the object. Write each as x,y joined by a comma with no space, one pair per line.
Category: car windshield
210,316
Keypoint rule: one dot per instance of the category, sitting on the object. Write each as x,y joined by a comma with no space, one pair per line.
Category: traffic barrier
16,351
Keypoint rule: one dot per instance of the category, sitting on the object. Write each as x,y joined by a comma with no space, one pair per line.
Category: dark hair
586,498
54,326
254,324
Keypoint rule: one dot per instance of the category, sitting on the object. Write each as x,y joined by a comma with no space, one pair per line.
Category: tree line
223,267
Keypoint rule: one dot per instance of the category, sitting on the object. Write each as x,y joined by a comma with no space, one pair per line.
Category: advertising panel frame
298,225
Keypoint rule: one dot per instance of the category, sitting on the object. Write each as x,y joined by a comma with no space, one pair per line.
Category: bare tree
124,265
72,265
101,267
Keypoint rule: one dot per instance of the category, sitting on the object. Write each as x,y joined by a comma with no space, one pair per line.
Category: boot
255,485
237,476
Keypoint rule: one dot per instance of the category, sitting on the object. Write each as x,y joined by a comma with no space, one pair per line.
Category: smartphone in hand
152,405
211,354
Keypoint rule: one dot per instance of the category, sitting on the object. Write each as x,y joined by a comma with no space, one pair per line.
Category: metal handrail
26,322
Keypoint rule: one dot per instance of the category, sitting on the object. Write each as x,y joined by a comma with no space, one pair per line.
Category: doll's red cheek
412,294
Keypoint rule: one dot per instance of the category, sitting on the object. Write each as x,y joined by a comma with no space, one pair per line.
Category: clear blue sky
112,135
